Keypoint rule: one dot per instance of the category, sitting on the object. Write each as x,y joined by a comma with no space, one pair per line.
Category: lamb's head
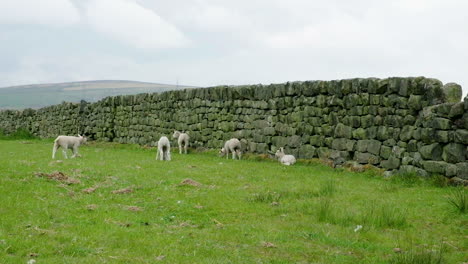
82,139
222,152
279,153
176,134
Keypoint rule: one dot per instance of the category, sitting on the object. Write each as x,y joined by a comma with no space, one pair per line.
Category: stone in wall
452,92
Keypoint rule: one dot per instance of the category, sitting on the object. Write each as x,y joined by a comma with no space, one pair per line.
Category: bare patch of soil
134,208
190,182
123,191
58,176
183,224
91,207
268,245
89,190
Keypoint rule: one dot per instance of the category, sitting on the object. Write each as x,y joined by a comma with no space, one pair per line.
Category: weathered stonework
411,124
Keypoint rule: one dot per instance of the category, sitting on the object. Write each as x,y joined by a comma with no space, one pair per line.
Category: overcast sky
211,42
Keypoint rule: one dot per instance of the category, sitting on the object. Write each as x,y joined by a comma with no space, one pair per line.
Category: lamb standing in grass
283,158
182,140
164,149
68,142
234,146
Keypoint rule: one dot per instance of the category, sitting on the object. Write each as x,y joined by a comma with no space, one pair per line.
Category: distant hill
39,95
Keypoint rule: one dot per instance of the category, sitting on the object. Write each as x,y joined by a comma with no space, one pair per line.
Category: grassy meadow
117,204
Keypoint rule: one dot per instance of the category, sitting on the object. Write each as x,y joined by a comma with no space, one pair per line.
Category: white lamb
68,142
234,146
164,149
283,158
182,140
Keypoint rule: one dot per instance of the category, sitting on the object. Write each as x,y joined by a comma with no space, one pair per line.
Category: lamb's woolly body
285,159
68,142
182,140
234,146
164,149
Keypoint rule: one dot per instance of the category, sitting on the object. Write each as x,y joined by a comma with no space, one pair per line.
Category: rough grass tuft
408,179
265,197
438,180
328,188
458,200
413,179
384,215
419,255
324,212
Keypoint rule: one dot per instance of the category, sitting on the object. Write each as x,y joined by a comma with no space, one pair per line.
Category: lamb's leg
180,148
75,152
233,154
239,154
64,151
185,148
168,155
54,149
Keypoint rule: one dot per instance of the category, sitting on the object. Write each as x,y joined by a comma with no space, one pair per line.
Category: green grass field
248,211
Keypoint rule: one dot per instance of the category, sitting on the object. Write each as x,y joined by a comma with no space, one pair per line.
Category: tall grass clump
324,213
419,256
328,188
384,215
458,200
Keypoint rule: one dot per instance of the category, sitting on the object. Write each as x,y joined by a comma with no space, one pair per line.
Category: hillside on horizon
40,95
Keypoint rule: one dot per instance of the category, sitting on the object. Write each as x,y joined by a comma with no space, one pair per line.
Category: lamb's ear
80,135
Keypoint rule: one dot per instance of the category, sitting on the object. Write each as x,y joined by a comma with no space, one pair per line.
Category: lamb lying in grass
164,149
182,140
234,146
283,158
68,142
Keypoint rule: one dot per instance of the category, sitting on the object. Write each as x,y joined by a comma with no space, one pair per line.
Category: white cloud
133,24
47,12
329,34
204,16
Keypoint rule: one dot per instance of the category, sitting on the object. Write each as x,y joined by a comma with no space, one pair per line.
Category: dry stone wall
408,124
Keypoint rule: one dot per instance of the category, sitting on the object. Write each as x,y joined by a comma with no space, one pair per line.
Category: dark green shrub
18,134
